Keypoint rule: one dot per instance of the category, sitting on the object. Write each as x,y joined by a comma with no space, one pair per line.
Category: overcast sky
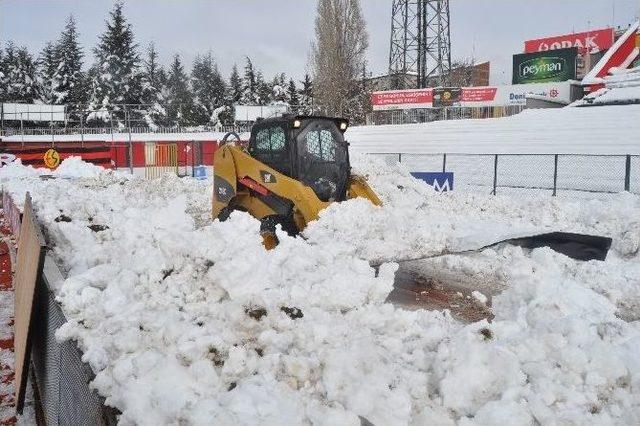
276,34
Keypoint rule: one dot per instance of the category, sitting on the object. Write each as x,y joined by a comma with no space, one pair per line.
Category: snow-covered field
189,321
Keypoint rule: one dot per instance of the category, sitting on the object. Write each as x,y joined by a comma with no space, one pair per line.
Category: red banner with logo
402,97
478,94
588,41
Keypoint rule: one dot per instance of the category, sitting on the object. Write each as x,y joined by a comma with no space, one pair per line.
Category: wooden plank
29,266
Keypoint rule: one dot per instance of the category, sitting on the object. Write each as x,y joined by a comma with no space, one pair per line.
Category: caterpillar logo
267,177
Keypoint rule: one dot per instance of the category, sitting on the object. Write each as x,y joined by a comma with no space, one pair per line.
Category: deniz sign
539,67
589,41
441,181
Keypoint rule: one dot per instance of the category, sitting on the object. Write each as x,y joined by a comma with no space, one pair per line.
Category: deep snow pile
186,321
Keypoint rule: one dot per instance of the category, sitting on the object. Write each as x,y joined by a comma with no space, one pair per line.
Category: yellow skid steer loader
293,167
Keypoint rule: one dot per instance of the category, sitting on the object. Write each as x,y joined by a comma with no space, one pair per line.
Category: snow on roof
592,76
603,130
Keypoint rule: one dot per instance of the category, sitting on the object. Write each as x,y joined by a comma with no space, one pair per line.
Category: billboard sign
32,112
488,96
441,181
586,42
539,67
402,99
446,96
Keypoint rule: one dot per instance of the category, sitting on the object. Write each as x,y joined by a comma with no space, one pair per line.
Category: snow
190,321
542,131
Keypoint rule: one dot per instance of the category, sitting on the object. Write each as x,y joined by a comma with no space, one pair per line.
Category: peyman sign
540,67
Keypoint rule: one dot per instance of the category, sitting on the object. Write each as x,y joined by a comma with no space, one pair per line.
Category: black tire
268,225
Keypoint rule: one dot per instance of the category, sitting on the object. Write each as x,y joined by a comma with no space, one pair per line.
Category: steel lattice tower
420,42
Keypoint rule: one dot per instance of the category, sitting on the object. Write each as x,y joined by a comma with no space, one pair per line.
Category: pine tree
292,94
279,88
180,107
306,95
69,81
3,77
117,79
264,90
47,65
250,85
209,89
153,95
235,86
20,69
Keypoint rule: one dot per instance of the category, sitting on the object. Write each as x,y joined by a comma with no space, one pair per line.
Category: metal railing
552,174
427,115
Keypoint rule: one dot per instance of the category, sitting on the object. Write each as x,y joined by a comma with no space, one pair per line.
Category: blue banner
441,181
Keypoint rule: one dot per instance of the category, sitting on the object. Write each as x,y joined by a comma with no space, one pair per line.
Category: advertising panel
33,112
402,99
585,42
446,96
539,67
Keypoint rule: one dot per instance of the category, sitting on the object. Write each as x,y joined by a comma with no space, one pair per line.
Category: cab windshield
323,159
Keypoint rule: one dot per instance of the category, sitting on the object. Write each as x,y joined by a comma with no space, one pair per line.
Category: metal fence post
82,127
444,163
128,121
555,175
399,157
495,173
627,174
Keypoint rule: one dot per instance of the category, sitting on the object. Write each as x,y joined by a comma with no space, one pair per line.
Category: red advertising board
587,41
401,97
478,94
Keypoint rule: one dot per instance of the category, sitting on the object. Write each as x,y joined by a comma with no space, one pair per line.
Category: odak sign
441,181
589,41
540,67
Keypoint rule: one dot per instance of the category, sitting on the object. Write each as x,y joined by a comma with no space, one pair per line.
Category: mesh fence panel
62,378
591,173
635,174
471,172
423,162
525,174
389,159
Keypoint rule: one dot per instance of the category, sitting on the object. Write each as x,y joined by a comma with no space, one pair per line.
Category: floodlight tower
420,42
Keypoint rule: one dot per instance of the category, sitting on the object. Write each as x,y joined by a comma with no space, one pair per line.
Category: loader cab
306,148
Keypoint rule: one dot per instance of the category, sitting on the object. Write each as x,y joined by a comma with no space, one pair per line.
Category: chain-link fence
530,174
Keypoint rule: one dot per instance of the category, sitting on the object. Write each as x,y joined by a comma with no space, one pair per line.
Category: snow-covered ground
603,130
190,321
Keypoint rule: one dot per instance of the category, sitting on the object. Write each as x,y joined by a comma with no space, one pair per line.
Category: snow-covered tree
264,90
180,107
3,77
292,94
279,88
46,67
235,86
20,73
249,85
338,54
153,95
209,88
68,80
117,79
306,95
